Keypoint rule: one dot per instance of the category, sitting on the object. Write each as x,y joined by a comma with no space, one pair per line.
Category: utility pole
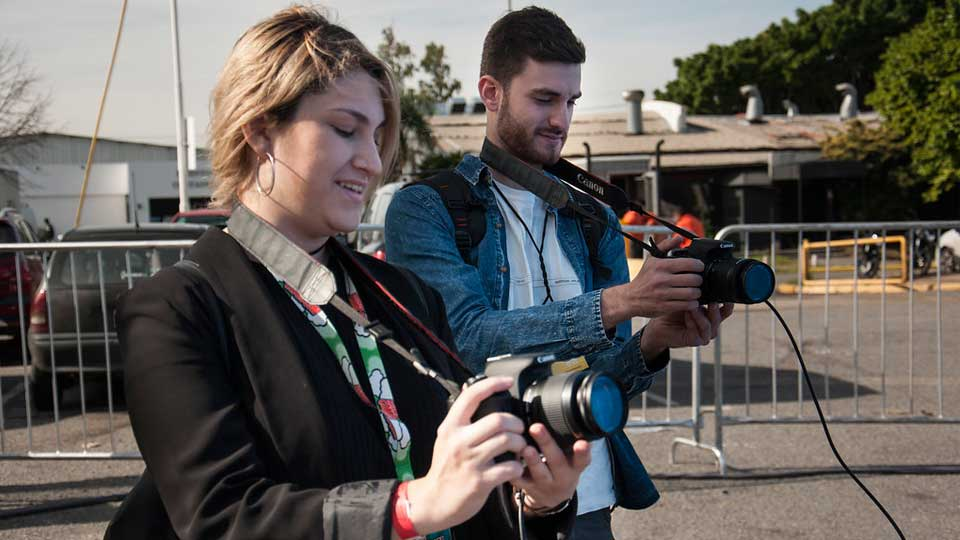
178,110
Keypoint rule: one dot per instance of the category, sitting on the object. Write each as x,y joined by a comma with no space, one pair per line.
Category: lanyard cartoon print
395,431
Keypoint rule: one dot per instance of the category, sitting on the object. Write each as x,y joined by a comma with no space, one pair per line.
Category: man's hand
662,287
694,328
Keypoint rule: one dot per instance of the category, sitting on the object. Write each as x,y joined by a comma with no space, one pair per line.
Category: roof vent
754,113
634,99
674,114
849,108
791,108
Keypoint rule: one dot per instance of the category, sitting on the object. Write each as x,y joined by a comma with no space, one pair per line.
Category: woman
261,411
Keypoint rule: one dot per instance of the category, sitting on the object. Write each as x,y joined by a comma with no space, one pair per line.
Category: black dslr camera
727,278
575,405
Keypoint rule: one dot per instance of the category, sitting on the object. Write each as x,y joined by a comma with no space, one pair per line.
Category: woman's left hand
550,481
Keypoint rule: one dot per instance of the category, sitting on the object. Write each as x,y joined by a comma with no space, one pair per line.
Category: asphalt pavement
782,482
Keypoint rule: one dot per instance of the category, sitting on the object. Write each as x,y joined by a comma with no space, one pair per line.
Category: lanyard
395,431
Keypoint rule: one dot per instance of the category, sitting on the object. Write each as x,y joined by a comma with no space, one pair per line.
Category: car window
142,264
7,234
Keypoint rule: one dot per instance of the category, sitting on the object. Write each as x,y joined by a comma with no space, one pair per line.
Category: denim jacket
420,236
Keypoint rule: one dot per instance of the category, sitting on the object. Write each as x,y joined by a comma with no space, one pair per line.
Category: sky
630,44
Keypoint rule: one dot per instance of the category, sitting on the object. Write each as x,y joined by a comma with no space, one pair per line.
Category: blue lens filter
606,404
758,282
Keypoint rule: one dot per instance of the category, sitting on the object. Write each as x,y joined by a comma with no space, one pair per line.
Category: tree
416,105
799,60
22,107
888,188
918,94
439,87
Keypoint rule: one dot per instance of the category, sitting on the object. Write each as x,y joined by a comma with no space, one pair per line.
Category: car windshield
208,219
119,266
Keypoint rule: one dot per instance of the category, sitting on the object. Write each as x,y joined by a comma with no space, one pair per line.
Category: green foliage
438,87
416,105
889,188
918,94
799,60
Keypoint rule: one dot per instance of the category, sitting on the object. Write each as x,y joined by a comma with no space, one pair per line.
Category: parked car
949,245
14,229
53,338
216,217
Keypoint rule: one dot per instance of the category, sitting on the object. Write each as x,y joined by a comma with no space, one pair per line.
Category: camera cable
823,423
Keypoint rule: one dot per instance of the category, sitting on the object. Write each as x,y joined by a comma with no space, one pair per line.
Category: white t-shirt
596,489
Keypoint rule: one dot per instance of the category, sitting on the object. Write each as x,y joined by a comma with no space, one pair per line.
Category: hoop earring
273,176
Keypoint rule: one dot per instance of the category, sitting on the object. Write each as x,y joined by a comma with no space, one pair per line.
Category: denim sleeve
419,236
623,359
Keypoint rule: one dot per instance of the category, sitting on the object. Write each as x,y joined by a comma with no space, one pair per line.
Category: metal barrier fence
95,269
870,382
56,314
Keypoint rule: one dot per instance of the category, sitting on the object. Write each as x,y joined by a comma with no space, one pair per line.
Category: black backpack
470,225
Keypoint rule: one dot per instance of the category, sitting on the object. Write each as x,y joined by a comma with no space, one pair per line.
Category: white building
127,180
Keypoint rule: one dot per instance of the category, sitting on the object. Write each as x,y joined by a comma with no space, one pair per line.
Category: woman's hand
463,472
552,479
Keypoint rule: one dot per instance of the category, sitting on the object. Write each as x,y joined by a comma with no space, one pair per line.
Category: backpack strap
467,212
470,222
592,232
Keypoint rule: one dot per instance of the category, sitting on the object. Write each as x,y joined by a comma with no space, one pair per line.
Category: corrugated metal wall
55,149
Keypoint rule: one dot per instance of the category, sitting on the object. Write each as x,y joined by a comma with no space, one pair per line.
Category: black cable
521,523
786,474
823,422
59,506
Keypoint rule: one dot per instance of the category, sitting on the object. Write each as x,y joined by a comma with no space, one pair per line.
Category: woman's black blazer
266,439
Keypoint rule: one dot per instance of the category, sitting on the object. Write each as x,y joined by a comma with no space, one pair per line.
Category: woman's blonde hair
272,66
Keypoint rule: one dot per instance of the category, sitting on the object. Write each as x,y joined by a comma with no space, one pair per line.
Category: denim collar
314,281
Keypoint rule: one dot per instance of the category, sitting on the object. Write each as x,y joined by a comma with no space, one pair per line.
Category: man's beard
521,144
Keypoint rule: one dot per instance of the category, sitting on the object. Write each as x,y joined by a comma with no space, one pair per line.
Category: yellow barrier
805,269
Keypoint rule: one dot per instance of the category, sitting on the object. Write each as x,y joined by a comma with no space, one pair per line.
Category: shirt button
498,225
503,269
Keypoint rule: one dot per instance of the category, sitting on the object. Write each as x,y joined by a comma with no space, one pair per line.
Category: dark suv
58,306
14,229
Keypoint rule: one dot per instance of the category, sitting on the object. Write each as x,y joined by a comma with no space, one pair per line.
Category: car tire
41,390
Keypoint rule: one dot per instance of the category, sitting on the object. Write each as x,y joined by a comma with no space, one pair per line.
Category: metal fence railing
59,365
875,345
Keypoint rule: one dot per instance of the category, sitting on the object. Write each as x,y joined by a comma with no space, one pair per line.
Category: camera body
725,277
574,405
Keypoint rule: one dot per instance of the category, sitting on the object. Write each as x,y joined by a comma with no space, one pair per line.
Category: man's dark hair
531,32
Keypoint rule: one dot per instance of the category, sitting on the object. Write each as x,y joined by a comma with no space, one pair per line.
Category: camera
727,278
574,405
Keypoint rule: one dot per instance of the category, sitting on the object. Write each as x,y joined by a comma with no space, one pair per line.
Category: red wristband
401,513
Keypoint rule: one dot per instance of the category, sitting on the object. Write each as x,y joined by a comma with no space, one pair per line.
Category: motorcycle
924,253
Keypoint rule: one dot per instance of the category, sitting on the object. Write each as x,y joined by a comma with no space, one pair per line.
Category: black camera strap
611,195
557,196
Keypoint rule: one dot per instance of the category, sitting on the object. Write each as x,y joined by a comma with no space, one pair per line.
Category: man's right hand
662,286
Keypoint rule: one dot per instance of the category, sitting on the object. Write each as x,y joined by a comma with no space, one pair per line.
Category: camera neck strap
556,194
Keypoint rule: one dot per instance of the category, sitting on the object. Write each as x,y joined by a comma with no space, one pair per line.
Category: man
532,283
